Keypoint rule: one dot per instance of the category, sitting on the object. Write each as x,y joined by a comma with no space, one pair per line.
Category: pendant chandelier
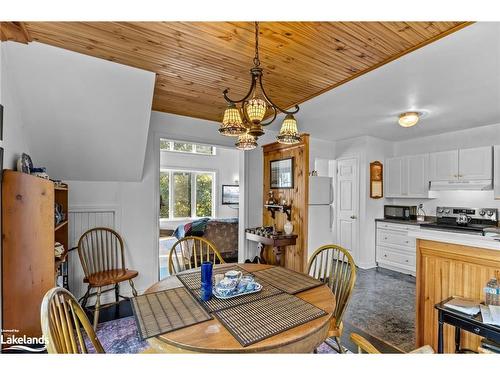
247,122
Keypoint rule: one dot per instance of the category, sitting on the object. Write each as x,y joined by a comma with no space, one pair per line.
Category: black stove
463,220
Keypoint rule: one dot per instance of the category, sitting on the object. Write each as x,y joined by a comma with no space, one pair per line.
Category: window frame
194,173
194,148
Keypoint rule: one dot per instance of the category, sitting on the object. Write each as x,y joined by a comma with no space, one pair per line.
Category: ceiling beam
14,31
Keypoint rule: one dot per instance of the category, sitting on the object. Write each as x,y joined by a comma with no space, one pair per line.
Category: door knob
353,217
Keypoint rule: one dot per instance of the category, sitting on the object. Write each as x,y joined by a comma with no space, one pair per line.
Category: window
190,148
186,194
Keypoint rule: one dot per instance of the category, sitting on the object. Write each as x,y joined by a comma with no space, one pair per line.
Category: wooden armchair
102,257
335,266
190,252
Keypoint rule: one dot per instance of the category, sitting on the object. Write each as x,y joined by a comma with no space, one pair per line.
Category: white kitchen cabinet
461,165
443,166
394,248
475,163
407,177
496,171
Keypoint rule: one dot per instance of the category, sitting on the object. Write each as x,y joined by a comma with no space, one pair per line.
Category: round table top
212,337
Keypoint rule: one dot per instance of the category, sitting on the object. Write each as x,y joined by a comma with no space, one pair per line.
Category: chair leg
341,349
97,307
85,298
117,292
134,292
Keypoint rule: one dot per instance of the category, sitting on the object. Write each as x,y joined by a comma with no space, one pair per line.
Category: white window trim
194,173
195,144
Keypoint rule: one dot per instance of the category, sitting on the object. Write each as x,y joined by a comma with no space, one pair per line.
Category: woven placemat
258,320
192,280
216,304
289,281
166,311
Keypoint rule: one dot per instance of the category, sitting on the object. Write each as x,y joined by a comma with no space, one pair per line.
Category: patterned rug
121,337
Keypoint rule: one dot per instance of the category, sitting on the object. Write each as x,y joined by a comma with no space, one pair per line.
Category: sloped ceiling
86,118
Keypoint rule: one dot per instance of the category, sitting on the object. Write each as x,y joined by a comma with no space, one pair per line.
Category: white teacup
234,275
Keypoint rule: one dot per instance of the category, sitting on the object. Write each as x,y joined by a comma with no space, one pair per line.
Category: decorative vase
288,227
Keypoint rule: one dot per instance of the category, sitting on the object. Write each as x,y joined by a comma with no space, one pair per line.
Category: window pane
182,194
164,194
184,147
206,150
204,194
165,145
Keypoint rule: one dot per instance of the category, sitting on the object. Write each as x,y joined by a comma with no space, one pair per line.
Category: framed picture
230,194
281,174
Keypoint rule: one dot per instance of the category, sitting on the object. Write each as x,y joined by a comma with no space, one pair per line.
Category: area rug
121,337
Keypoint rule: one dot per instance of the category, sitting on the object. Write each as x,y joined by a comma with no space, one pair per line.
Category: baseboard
366,266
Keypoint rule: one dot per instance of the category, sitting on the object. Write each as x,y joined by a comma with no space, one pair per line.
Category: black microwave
400,212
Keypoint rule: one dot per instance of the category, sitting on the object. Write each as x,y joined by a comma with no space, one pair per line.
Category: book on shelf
466,306
490,314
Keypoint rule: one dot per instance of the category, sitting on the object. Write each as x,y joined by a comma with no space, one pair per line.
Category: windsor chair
190,252
101,253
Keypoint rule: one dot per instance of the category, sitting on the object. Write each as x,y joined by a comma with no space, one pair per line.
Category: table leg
261,248
278,253
457,339
440,332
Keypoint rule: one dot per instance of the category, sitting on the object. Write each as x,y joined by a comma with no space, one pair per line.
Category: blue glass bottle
206,281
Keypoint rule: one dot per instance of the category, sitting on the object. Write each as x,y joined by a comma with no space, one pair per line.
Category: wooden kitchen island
449,265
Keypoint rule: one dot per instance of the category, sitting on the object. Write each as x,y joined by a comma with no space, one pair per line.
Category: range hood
461,185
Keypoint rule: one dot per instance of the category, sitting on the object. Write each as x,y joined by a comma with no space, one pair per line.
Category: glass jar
492,291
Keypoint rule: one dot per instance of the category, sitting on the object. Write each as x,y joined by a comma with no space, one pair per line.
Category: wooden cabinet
407,177
496,171
463,164
394,248
28,237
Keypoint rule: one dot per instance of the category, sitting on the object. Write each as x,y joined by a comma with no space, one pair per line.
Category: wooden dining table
212,337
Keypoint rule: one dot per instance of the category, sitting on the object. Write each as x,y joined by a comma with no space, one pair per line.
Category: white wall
476,137
225,164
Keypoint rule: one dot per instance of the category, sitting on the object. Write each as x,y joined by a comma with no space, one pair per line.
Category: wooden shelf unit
29,233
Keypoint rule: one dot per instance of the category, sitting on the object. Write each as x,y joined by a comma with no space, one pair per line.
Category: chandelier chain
256,59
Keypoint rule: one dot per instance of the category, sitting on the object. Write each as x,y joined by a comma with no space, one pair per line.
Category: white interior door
348,205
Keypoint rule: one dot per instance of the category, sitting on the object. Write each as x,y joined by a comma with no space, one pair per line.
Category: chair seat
110,277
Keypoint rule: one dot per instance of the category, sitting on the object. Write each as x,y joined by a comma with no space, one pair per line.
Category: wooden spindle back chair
101,253
335,266
63,323
190,252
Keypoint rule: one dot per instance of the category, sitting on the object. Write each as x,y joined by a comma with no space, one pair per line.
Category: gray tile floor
383,306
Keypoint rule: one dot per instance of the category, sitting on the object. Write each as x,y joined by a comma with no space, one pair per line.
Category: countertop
485,242
428,219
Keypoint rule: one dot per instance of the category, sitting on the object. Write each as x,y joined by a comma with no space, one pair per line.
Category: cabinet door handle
406,241
385,255
406,261
477,330
385,238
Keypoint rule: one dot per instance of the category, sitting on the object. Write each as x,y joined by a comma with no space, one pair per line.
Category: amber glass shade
288,134
232,124
256,110
246,142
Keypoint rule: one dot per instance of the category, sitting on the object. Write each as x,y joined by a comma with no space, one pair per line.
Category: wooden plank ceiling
195,61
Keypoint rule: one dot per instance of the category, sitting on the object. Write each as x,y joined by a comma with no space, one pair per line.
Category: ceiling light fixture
247,122
408,119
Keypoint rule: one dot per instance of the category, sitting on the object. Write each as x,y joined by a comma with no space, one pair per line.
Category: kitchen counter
429,219
492,243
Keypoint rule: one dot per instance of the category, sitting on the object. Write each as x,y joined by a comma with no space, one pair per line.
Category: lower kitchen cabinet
395,250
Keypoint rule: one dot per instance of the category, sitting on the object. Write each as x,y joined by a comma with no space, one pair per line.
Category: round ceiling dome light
408,119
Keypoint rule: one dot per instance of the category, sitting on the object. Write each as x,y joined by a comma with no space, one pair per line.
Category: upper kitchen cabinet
443,166
407,177
496,173
461,165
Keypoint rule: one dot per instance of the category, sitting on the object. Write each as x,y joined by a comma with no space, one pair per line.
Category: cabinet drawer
386,237
394,226
387,255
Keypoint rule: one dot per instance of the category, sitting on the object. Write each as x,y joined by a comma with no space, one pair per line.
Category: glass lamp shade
246,142
408,119
288,134
232,124
256,110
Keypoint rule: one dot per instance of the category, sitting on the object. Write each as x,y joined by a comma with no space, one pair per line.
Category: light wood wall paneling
296,256
445,270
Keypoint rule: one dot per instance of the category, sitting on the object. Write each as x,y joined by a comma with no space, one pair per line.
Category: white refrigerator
321,213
